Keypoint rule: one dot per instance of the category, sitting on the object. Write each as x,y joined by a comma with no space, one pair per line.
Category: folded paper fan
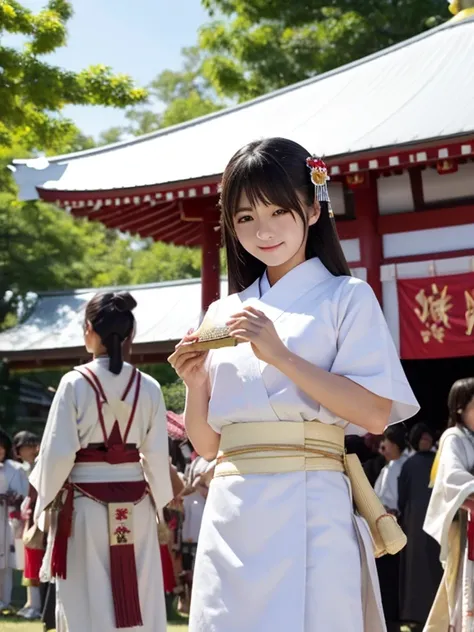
211,336
212,333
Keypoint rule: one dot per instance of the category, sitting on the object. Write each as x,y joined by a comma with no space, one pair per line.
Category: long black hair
110,315
7,444
460,395
274,171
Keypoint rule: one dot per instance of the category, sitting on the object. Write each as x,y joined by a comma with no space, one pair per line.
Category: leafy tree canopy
261,45
33,92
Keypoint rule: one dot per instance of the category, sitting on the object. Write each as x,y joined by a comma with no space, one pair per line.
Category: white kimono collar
288,289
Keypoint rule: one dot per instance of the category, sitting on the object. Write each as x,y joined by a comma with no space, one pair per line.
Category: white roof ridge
122,288
241,106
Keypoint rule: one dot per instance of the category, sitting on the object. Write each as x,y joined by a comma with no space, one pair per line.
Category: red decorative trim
424,220
402,159
430,256
96,200
377,161
135,402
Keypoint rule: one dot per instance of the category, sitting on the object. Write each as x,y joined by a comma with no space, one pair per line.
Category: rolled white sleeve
366,353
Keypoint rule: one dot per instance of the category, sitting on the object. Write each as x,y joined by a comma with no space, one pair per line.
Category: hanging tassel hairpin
320,178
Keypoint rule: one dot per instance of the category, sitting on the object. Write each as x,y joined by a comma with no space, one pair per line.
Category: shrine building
397,132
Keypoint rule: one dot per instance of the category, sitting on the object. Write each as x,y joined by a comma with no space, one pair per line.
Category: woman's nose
264,233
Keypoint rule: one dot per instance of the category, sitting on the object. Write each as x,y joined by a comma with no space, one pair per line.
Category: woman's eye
244,218
280,211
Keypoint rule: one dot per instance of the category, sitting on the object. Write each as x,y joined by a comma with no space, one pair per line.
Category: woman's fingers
240,326
181,354
191,365
188,339
254,311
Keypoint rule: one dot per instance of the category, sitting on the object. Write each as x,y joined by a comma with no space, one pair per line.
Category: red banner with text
436,317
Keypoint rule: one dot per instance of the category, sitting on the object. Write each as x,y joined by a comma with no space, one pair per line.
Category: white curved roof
164,311
418,90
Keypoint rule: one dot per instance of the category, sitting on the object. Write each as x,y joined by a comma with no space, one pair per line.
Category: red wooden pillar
210,269
371,247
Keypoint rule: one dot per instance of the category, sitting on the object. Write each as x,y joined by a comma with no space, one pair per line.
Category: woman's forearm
340,395
204,439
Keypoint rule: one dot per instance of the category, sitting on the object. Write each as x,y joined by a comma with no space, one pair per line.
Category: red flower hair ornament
320,178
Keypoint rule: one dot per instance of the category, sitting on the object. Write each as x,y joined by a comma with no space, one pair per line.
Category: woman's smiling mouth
270,248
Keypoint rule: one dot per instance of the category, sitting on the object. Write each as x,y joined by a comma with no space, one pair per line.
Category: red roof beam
171,233
159,219
105,214
194,240
133,216
426,219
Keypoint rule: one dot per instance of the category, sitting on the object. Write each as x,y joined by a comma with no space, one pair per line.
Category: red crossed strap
96,386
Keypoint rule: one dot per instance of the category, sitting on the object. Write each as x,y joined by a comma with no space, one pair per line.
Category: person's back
106,437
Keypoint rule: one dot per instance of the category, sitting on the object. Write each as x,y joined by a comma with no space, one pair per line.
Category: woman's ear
314,213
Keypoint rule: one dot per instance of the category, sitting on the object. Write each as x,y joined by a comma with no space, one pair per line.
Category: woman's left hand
251,325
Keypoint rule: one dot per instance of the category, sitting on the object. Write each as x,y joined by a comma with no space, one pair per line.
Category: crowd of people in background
178,542
398,465
17,458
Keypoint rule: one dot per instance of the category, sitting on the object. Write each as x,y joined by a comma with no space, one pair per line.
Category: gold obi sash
280,447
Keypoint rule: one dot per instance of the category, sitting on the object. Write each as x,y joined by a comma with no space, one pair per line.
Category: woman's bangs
263,183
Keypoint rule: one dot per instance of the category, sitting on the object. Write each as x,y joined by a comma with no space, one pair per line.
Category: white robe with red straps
85,597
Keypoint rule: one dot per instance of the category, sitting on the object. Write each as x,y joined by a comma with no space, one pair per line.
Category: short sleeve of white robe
336,323
366,353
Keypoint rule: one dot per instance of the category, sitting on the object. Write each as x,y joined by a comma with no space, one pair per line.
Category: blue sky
139,38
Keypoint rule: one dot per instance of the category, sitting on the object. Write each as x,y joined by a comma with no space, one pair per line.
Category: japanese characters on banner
436,317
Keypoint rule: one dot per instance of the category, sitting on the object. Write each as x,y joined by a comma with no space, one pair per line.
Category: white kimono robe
285,551
453,485
12,479
85,597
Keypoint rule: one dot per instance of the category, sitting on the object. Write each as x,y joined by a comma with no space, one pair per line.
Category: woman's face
273,235
426,442
3,453
468,415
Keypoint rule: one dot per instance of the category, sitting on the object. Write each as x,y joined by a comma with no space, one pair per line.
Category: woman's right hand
189,364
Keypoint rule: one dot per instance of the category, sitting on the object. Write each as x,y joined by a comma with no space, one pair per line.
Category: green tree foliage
142,121
262,45
175,396
110,135
33,92
44,248
186,94
174,97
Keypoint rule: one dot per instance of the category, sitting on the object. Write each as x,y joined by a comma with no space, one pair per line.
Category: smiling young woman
280,545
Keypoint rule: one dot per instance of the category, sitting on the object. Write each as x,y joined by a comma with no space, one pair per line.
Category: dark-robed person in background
395,450
420,568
